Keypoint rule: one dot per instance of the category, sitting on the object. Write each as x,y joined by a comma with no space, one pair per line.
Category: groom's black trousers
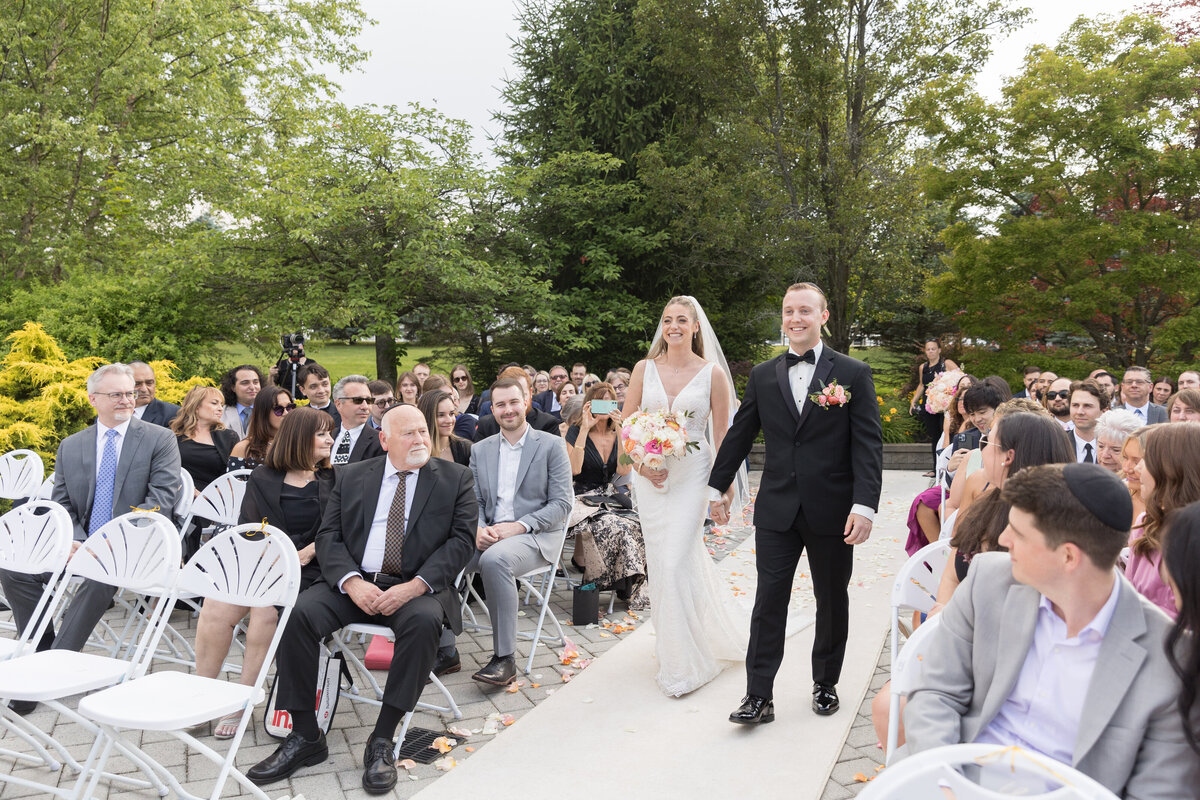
831,562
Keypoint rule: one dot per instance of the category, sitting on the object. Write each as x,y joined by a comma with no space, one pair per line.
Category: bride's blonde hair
660,344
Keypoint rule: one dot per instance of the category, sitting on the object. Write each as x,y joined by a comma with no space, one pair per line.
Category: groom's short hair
809,287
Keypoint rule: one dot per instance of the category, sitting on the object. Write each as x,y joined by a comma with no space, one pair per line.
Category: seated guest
541,383
382,398
1135,396
980,402
539,420
1162,389
955,421
408,388
1057,400
468,401
1112,429
1181,560
439,409
619,379
1030,379
522,511
354,440
1107,382
1088,402
1184,406
572,412
395,533
288,491
204,447
608,543
434,382
149,408
1188,379
547,400
532,372
1131,458
270,407
239,387
589,380
579,373
564,392
1169,474
1048,649
318,389
924,519
1043,383
94,483
422,372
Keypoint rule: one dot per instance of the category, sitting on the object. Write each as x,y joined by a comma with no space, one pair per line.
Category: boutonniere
831,395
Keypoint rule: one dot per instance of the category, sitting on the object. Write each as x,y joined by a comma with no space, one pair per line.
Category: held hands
485,537
373,600
858,529
718,511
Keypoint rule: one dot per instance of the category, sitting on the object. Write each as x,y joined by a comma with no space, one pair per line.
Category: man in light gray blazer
523,485
133,464
1048,648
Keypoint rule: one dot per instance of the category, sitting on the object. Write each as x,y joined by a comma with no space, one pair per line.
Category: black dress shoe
22,707
825,699
754,710
294,753
379,766
445,665
498,672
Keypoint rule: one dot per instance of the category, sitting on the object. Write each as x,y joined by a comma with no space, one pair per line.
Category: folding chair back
21,474
132,551
220,501
917,582
35,538
187,494
248,565
47,487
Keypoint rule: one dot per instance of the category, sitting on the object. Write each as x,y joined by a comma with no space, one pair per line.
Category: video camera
293,346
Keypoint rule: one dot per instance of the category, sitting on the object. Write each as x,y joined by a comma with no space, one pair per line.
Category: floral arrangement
651,437
831,395
940,393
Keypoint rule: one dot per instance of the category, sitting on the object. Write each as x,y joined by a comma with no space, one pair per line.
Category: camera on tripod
293,346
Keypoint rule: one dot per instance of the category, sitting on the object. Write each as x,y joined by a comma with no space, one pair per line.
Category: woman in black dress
934,365
289,491
441,414
204,447
265,418
608,538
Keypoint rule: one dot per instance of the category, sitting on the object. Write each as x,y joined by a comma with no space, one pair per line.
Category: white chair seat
58,673
166,701
7,647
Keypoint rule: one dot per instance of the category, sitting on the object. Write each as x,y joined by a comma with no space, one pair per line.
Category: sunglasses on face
358,401
590,384
279,411
459,379
1063,394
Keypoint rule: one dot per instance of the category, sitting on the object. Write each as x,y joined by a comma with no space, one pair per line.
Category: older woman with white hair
1112,429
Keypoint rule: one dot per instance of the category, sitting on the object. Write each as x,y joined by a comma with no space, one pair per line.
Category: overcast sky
454,55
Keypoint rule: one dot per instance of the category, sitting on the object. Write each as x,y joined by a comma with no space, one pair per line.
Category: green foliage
899,426
1088,176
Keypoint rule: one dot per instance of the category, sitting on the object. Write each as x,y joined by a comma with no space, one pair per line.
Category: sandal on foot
226,726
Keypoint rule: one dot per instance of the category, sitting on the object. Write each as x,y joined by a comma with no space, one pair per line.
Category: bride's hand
656,476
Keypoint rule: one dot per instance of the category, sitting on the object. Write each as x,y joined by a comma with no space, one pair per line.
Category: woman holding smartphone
608,538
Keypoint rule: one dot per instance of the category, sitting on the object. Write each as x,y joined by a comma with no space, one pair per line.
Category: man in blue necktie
116,464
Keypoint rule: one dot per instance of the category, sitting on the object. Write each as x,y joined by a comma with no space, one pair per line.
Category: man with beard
1044,380
1058,401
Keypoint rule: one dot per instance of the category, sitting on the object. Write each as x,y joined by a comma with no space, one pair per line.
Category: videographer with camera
286,372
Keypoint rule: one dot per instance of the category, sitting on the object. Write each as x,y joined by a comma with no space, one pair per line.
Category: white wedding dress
699,628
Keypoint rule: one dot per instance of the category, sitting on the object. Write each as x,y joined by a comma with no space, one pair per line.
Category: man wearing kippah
1048,648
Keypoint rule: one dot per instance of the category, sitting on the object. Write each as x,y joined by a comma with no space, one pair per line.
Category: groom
819,492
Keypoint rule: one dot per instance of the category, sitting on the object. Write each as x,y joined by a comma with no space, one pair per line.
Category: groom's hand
858,529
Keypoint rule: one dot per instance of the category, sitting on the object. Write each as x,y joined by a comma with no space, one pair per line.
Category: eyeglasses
279,411
117,397
1134,381
384,402
460,379
984,441
358,401
1062,393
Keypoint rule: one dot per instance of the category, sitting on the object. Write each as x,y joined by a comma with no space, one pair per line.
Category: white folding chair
219,502
256,571
906,671
138,551
21,473
35,538
542,595
915,589
47,487
998,773
340,642
187,494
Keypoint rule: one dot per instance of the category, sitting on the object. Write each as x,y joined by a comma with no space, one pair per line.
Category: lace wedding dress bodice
699,628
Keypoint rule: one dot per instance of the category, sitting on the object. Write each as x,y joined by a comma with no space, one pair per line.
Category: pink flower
823,400
654,446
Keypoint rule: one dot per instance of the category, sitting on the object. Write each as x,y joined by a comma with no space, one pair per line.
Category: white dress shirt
1141,412
1080,450
139,411
506,478
354,434
372,560
102,435
1046,704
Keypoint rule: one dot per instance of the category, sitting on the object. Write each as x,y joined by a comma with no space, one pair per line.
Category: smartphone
600,407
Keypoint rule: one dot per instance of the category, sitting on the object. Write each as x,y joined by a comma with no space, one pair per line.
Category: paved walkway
597,726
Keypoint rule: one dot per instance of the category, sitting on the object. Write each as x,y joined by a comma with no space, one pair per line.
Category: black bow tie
793,359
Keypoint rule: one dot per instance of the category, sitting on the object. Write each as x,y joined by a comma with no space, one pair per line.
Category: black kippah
1101,492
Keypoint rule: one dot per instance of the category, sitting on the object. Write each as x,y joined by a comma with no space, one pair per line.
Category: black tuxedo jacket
537,419
160,412
823,461
440,539
544,401
366,447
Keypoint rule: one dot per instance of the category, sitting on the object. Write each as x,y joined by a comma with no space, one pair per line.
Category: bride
698,632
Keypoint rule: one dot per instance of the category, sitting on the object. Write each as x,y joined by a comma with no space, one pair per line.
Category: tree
1086,177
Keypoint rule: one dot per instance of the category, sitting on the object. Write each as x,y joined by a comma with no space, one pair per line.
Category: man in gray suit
101,472
1048,648
1135,396
523,485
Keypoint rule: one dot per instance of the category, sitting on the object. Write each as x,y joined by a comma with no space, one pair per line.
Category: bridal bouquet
941,392
651,437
